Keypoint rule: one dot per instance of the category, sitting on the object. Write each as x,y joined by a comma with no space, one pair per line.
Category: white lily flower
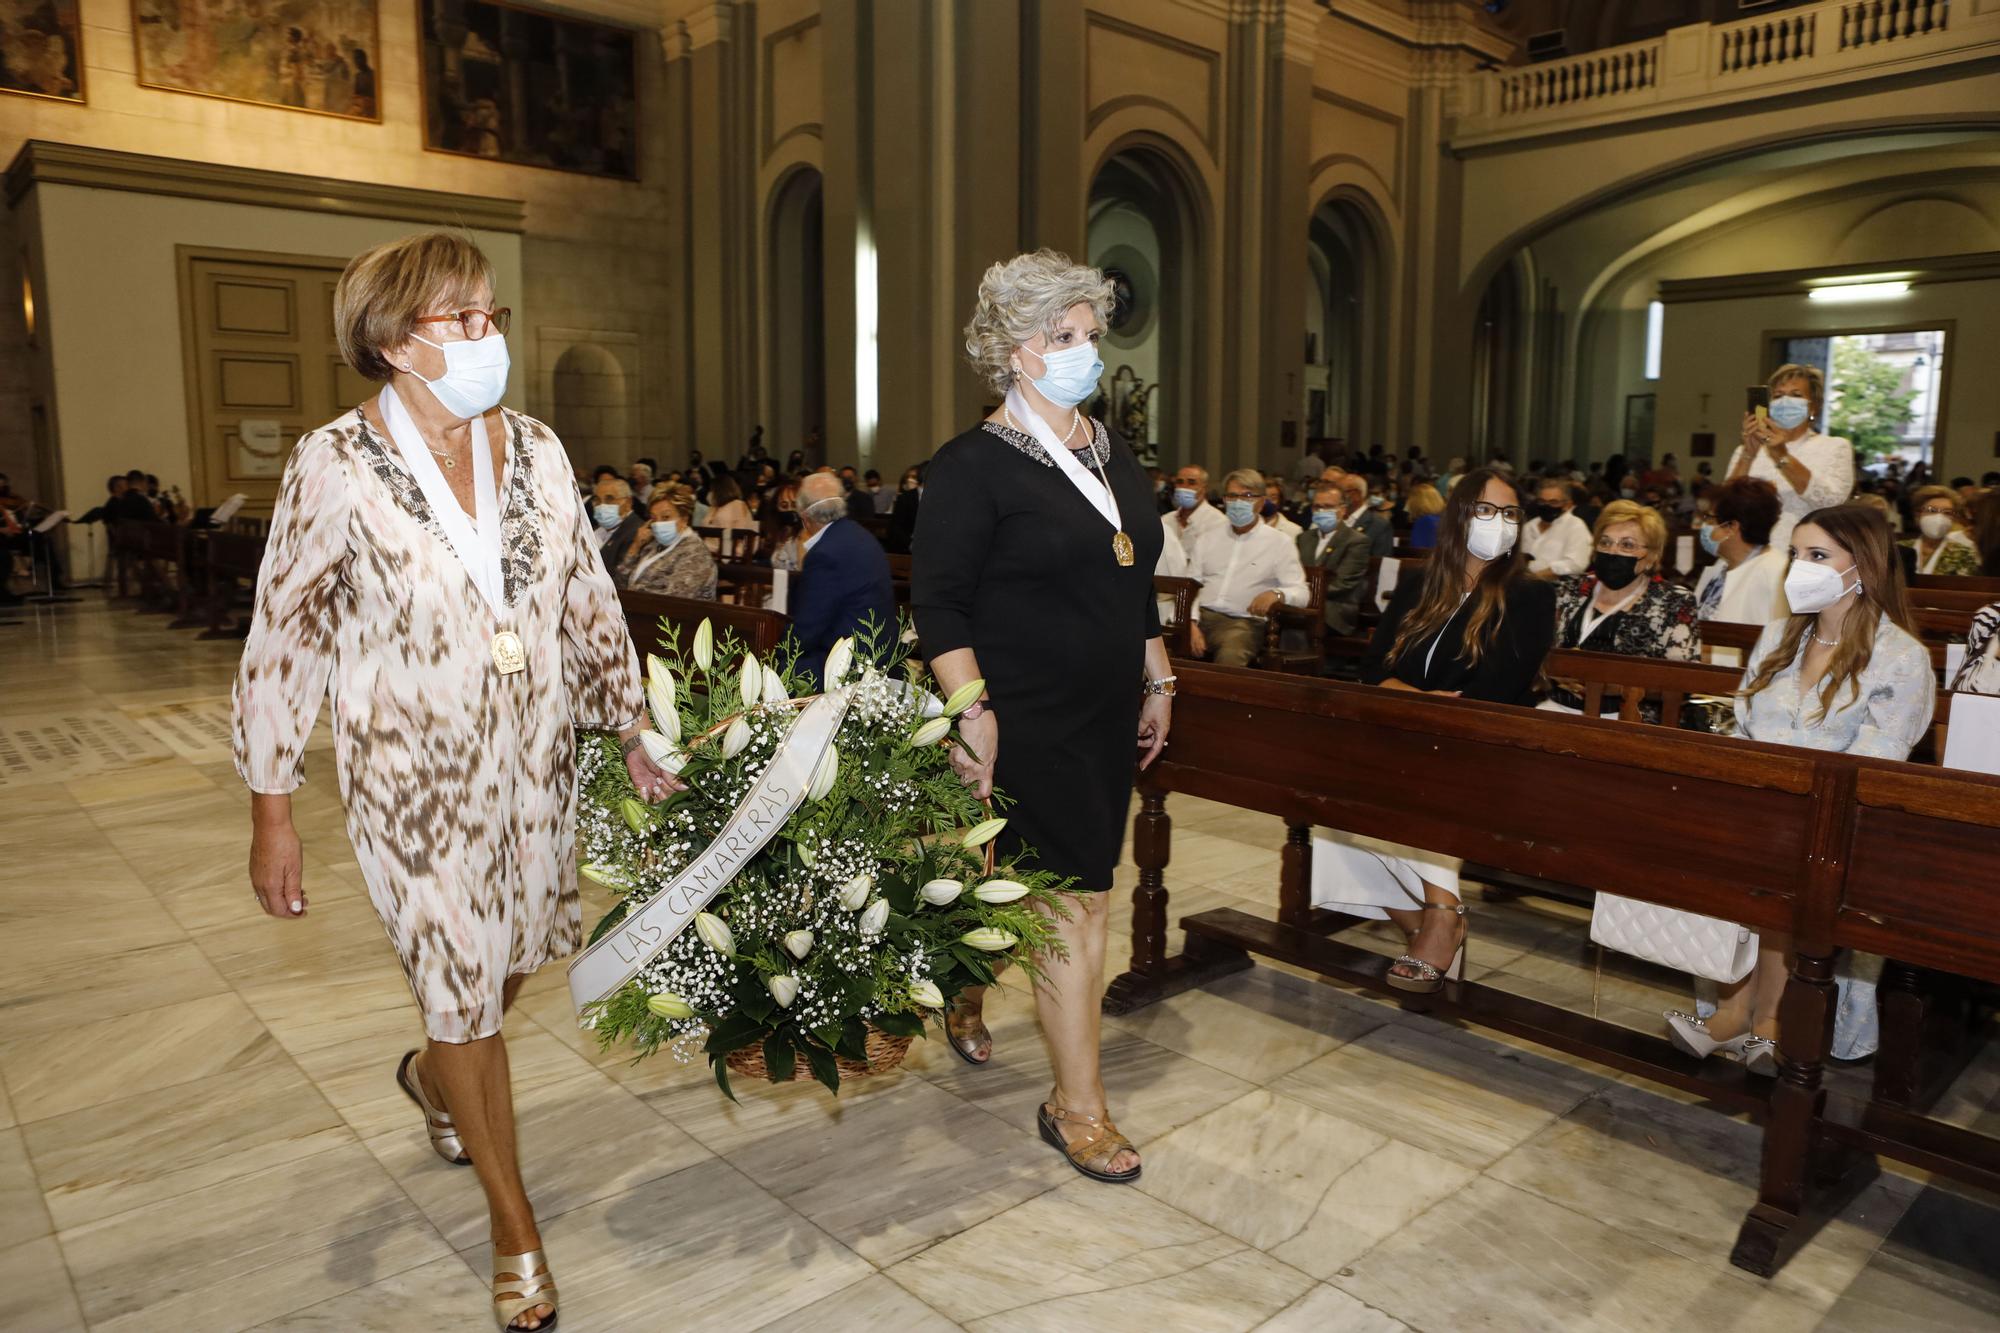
783,989
704,645
660,702
981,834
875,917
992,939
941,892
663,752
838,659
927,994
734,739
929,705
798,943
855,892
774,686
998,891
609,876
668,1005
715,933
962,698
930,733
824,774
751,683
659,673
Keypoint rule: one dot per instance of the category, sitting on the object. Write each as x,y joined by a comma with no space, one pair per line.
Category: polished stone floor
199,1127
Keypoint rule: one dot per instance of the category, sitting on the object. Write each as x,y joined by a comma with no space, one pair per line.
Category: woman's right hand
1756,432
277,866
982,738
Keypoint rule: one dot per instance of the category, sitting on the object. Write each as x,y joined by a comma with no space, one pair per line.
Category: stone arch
1351,250
794,310
591,405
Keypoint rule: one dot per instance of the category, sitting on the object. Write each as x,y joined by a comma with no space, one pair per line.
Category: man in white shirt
642,482
1556,541
1191,516
1245,569
1746,584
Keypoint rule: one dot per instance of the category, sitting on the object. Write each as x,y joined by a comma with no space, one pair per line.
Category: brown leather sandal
965,1039
1103,1143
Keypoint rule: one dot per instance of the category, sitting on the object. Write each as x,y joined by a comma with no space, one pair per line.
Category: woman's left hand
1156,718
652,782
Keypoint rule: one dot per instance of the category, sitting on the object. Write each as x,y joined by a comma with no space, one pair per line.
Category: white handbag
1684,941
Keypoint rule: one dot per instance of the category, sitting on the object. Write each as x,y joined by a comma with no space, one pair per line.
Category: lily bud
807,855
941,892
774,686
609,876
734,739
798,943
929,705
751,683
663,752
998,891
855,892
838,659
668,1005
927,994
715,933
783,989
990,938
704,645
962,697
930,733
824,774
660,702
637,818
876,917
981,834
659,673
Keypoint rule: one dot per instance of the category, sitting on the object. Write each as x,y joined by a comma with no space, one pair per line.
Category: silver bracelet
1164,685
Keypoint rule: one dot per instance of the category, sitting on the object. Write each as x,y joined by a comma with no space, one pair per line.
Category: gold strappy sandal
965,1040
520,1283
438,1124
1103,1143
1428,979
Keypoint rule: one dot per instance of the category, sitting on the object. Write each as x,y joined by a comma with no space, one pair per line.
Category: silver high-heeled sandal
1429,980
520,1283
1760,1056
438,1124
1690,1034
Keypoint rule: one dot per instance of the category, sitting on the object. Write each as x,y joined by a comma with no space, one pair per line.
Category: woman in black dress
1033,569
1474,625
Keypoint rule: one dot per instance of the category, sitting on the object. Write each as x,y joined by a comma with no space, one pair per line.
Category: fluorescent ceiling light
1859,291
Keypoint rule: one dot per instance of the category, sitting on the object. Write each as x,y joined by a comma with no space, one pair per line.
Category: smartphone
1760,399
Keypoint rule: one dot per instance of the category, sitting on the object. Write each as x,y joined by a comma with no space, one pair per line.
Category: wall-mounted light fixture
1851,291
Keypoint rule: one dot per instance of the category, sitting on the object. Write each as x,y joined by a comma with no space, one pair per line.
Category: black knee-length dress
1011,561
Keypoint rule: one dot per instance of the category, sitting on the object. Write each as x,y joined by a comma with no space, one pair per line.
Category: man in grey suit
1373,525
1342,551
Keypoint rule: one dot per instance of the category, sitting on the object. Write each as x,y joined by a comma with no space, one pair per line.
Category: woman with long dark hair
1473,624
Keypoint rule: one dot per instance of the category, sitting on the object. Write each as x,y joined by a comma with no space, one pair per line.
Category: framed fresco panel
513,84
41,49
304,55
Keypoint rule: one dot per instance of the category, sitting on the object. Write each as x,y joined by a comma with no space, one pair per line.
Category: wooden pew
233,560
1793,841
1989,588
1180,634
1308,620
1727,634
644,611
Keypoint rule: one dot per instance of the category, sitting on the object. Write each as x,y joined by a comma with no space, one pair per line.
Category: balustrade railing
1587,78
1872,22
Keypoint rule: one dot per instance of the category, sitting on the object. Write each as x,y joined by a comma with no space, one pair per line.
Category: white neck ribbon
1087,483
477,544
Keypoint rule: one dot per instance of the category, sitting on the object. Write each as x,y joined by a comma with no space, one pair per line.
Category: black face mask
1615,571
1548,513
788,518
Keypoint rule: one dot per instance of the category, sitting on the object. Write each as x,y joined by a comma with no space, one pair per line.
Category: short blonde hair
1923,495
385,290
1791,370
681,497
1025,296
1423,499
1651,526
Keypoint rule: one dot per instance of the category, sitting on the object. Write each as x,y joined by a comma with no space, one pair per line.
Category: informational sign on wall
260,448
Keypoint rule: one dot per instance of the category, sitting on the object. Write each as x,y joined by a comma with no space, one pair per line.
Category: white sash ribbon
1093,488
477,547
644,935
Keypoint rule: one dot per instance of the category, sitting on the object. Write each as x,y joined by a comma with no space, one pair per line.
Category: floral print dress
459,781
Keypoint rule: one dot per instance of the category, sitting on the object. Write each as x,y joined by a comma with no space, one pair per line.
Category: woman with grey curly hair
1033,571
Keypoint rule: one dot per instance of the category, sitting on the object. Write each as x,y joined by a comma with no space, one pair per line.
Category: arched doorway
590,411
795,315
1144,233
1499,363
1345,308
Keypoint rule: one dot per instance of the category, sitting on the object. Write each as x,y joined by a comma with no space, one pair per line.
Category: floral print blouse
1956,556
1661,623
1885,720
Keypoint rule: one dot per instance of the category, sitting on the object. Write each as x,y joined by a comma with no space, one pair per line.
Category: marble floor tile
95,923
1256,1024
7,1119
580,1140
339,934
1451,1093
22,1216
1233,1294
704,1248
1327,1309
245,1251
38,1295
42,992
872,1303
1682,1178
1496,1257
1938,1270
91,1062
160,1143
1078,1240
442,1294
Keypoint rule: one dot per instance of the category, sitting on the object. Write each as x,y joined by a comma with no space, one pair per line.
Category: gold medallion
508,655
1121,546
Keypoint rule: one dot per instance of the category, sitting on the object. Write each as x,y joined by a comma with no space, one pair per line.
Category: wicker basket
884,1053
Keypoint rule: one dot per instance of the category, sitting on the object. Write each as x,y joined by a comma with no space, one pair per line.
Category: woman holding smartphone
1782,446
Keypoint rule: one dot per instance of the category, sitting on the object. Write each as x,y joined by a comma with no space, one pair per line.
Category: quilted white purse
1684,941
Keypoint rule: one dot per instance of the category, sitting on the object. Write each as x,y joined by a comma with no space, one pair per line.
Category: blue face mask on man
1185,497
1242,513
1326,520
606,516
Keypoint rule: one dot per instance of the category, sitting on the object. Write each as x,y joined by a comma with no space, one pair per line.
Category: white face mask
1935,526
1491,538
1812,588
475,375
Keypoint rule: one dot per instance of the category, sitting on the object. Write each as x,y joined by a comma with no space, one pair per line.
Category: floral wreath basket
875,903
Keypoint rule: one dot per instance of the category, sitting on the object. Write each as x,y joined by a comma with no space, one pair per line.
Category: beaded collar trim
1100,443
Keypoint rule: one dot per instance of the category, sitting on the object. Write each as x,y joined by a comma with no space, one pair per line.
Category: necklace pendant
451,462
1121,546
508,655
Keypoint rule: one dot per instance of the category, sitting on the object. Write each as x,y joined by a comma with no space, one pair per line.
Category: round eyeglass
1243,495
1949,511
475,324
1512,513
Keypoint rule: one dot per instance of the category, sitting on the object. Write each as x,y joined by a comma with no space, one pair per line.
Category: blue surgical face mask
1069,376
1241,512
1790,411
665,531
606,516
475,375
1185,497
1709,543
1326,520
